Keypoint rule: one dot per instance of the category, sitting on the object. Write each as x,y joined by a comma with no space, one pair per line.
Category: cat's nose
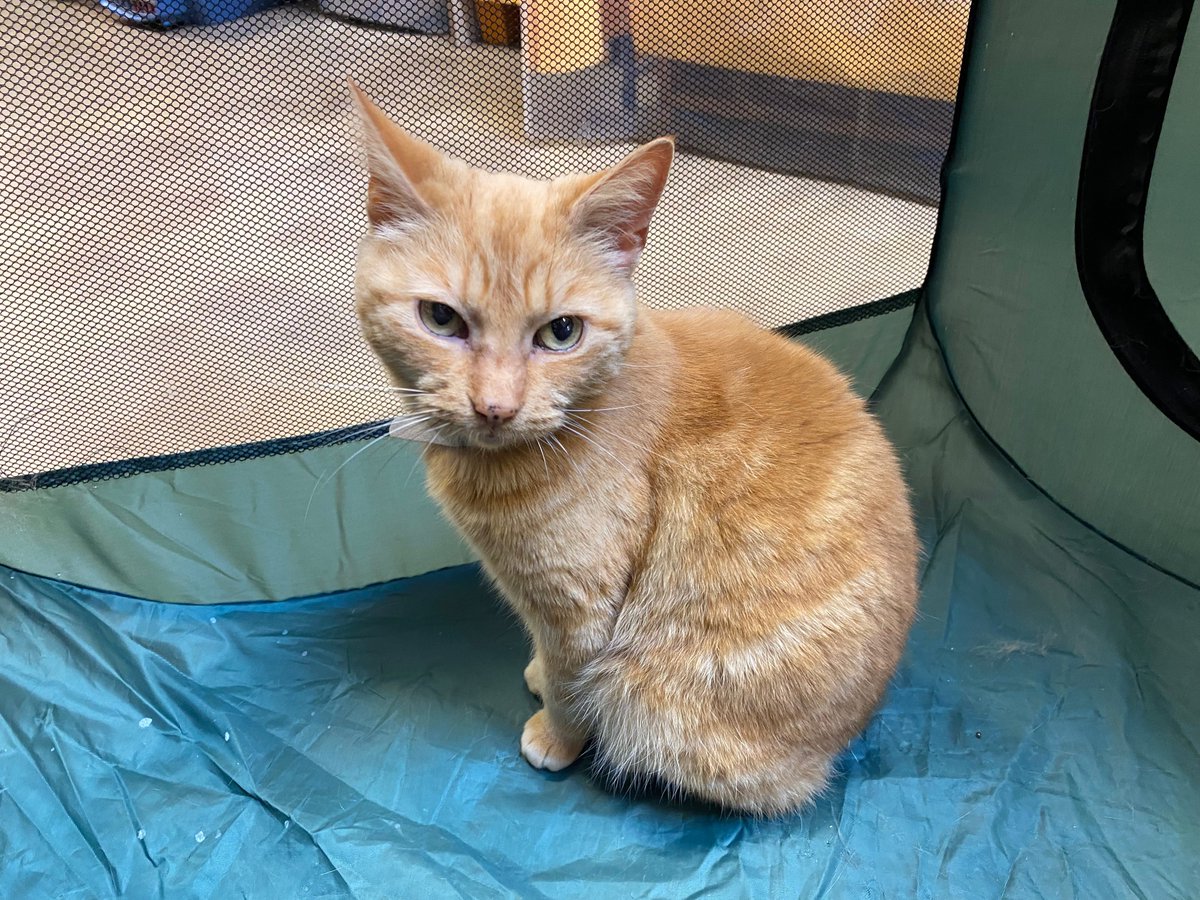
494,413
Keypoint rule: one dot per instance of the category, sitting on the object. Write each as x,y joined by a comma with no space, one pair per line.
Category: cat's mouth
490,438
426,428
506,435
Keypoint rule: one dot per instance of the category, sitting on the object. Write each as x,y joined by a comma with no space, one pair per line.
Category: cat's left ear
617,206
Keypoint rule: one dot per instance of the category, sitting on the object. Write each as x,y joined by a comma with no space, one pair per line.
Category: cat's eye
560,334
441,319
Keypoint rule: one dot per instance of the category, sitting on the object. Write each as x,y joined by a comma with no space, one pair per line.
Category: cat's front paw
535,678
545,747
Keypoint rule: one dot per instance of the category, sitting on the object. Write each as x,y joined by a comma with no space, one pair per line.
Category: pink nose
494,413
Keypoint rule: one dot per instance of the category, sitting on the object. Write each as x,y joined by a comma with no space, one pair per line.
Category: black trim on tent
234,453
1129,105
851,314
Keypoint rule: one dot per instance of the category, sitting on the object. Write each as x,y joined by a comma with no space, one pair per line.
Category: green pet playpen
242,656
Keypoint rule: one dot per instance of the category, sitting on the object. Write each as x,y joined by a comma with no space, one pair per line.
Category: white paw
544,747
535,678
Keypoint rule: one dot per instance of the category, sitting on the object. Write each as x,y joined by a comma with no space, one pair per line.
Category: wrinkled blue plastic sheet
366,745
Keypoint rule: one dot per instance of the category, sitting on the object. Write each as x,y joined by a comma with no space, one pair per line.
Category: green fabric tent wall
211,686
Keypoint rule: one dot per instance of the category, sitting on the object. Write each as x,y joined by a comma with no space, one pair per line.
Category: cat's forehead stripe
474,281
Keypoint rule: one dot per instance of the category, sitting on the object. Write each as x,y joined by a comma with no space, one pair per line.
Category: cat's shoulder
728,333
703,319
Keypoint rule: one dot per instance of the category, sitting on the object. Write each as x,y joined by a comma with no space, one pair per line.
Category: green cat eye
560,334
441,319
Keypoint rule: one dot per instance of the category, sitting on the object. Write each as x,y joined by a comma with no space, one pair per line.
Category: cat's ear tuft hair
617,205
399,164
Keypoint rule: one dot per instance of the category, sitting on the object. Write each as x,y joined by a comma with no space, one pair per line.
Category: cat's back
753,410
777,584
771,475
775,492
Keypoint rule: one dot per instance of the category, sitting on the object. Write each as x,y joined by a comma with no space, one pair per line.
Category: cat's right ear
399,165
617,204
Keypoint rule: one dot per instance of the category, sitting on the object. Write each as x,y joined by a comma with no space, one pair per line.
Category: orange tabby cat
704,531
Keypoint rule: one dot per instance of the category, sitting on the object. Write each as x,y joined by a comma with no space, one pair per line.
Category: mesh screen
182,192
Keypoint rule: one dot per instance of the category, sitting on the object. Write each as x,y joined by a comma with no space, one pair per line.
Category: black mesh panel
182,192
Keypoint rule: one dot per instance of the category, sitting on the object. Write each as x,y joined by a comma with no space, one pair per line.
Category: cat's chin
496,441
485,440
405,430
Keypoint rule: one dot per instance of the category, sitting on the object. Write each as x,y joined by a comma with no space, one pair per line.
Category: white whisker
362,432
322,480
369,445
562,449
608,432
410,418
579,432
421,456
605,408
545,464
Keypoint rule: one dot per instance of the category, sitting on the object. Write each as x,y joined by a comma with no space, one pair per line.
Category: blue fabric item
171,13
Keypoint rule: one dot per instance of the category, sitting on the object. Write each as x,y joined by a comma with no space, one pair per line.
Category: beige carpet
181,209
